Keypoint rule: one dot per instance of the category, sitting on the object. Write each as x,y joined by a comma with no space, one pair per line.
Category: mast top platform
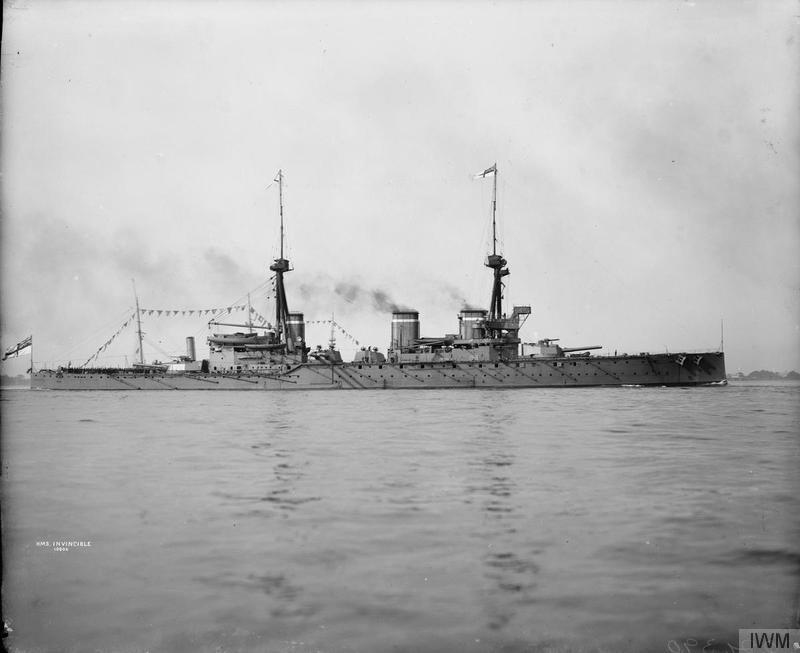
495,261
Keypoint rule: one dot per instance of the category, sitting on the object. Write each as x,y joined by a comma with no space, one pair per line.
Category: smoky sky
647,156
378,298
351,293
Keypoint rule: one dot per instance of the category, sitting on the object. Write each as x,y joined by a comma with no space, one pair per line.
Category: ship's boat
485,352
242,340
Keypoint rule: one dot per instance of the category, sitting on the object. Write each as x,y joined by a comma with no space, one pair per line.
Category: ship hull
682,369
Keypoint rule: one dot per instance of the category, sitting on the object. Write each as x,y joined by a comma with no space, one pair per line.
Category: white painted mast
138,323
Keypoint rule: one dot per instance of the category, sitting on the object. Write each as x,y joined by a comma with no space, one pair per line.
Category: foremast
280,267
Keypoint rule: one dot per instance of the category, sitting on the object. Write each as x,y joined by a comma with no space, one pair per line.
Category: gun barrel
566,350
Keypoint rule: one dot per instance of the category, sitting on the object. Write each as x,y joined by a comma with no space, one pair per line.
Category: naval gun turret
547,348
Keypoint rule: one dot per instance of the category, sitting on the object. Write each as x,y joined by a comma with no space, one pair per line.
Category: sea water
601,519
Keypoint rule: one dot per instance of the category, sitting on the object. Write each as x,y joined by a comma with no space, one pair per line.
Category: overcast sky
647,155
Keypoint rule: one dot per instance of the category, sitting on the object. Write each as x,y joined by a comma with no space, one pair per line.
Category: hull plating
682,369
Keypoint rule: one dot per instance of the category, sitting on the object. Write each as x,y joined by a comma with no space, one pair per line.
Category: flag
488,171
16,349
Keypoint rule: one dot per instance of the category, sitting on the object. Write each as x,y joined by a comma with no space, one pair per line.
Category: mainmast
495,261
494,210
279,267
279,178
138,323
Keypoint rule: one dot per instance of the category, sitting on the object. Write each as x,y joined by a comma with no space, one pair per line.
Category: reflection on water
601,520
508,567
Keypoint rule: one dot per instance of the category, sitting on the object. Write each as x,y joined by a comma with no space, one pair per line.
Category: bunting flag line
20,346
110,340
338,326
13,351
258,316
172,312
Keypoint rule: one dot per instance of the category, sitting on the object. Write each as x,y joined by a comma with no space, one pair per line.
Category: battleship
486,351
